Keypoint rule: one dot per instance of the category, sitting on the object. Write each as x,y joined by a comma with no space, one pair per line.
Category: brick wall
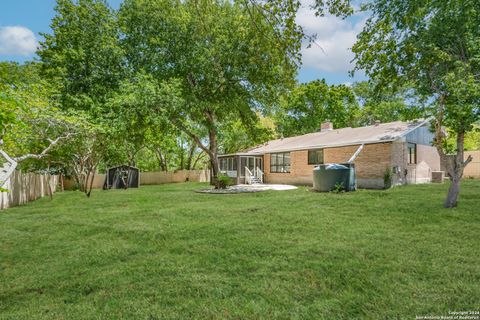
300,171
370,165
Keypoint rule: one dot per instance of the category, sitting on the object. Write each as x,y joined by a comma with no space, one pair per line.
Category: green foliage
229,60
309,104
388,178
472,140
215,55
338,187
341,8
83,54
431,45
224,181
236,137
28,119
386,105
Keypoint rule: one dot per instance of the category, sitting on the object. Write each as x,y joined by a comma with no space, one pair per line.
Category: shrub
387,178
223,181
339,187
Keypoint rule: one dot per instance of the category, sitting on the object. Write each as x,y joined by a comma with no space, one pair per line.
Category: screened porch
242,168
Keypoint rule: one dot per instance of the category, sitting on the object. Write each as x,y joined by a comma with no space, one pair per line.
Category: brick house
404,147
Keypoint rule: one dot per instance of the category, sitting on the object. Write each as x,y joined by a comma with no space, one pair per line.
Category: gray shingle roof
382,132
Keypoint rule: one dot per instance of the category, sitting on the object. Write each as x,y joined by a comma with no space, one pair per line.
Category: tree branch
195,138
42,154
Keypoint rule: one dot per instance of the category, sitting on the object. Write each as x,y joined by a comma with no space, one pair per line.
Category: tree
227,59
434,46
236,137
133,104
309,104
472,140
386,105
83,55
30,127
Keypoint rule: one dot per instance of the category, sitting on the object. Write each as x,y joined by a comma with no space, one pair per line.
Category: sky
329,57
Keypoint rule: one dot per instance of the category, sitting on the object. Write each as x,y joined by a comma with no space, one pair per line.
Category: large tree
227,59
30,126
433,45
83,55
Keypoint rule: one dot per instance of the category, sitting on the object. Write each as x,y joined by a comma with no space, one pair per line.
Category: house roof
383,132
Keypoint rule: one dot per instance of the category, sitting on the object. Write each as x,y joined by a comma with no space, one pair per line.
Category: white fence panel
26,187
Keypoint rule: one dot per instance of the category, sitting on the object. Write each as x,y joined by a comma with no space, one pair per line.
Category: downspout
356,153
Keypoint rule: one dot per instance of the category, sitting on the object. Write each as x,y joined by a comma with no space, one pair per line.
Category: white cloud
331,51
17,40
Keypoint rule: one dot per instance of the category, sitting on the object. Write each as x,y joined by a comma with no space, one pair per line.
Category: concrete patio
245,188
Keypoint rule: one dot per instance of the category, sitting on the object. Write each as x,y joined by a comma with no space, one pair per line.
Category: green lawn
166,252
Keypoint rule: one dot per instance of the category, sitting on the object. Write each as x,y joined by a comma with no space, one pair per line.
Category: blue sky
22,21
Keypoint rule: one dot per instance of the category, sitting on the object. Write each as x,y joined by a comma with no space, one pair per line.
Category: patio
246,188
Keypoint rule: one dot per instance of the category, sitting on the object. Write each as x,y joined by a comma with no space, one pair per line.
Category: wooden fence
472,170
26,187
152,178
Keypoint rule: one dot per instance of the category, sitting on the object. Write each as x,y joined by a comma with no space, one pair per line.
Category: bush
339,187
223,181
387,178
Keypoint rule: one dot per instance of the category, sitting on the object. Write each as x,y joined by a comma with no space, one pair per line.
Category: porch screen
280,162
228,164
243,164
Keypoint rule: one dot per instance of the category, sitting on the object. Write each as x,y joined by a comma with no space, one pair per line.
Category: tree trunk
212,136
49,182
215,170
91,184
191,151
454,164
452,196
162,159
211,151
199,156
182,156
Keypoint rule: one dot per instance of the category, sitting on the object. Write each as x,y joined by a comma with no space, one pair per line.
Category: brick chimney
326,126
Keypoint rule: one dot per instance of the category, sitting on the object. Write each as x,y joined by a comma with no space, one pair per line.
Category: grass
165,252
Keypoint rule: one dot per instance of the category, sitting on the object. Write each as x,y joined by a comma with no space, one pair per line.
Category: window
280,162
228,164
315,156
412,153
234,164
223,164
